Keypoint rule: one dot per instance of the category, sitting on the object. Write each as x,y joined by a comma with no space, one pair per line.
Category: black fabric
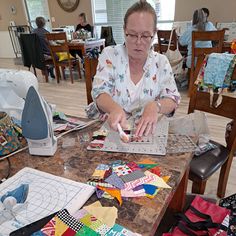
205,165
32,53
34,227
87,27
106,33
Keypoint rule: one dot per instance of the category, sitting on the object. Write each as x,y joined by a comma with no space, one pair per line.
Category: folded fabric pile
121,179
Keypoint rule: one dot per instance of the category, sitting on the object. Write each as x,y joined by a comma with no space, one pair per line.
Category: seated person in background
207,13
82,25
199,23
41,31
132,78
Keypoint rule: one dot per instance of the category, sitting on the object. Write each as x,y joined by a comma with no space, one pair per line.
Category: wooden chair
205,165
163,40
58,44
106,33
90,65
217,37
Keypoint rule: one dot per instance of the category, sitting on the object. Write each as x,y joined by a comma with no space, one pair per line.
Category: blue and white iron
37,123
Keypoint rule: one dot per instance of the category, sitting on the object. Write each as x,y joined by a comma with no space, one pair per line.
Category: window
35,8
111,13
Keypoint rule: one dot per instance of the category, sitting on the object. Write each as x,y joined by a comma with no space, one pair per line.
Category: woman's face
81,20
139,34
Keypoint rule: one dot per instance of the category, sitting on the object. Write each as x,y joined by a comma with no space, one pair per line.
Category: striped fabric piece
137,182
49,228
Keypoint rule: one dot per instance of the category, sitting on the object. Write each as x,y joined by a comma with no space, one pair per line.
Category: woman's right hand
117,116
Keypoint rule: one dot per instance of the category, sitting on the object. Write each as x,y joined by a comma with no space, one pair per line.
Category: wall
69,18
61,18
184,10
220,11
6,16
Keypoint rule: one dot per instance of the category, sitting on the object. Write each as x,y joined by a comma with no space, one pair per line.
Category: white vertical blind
111,12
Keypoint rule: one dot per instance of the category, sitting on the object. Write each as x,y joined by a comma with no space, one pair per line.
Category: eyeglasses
133,38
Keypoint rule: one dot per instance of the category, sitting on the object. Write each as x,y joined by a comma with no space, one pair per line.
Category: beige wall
6,16
184,10
220,11
61,17
67,18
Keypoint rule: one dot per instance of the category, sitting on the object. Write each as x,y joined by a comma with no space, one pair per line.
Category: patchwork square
91,221
116,181
121,170
70,220
133,166
85,231
102,167
137,174
103,229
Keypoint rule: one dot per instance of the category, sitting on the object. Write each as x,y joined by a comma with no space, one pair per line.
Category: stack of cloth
121,179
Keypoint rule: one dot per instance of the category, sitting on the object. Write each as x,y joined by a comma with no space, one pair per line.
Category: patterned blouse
113,78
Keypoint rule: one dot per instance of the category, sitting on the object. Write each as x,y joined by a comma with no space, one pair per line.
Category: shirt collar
147,64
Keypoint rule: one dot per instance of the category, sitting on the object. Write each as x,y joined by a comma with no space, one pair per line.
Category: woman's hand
117,116
148,120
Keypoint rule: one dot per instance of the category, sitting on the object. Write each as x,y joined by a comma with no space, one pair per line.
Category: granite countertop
73,161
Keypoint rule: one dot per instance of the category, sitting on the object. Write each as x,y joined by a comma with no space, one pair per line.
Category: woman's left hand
148,120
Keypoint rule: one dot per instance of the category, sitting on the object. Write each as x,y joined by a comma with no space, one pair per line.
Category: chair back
58,44
91,66
217,38
32,53
163,40
106,33
200,100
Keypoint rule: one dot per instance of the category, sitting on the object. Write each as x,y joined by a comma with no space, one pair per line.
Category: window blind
112,12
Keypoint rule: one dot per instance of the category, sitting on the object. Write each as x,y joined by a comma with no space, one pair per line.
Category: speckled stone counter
73,161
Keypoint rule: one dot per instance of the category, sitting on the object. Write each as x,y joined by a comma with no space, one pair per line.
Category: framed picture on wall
68,5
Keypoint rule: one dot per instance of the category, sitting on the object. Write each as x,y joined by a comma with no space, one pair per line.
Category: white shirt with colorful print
113,78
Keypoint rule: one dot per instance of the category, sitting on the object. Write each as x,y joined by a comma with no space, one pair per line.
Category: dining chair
32,54
58,44
90,65
217,38
106,33
204,166
163,37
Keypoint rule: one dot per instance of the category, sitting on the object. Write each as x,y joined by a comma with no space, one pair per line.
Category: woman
199,23
83,23
132,77
41,31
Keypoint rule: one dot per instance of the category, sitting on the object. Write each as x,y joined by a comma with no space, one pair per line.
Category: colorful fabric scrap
118,230
114,180
113,192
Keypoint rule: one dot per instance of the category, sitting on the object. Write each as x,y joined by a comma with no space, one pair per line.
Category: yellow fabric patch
146,161
60,227
64,56
99,173
166,178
